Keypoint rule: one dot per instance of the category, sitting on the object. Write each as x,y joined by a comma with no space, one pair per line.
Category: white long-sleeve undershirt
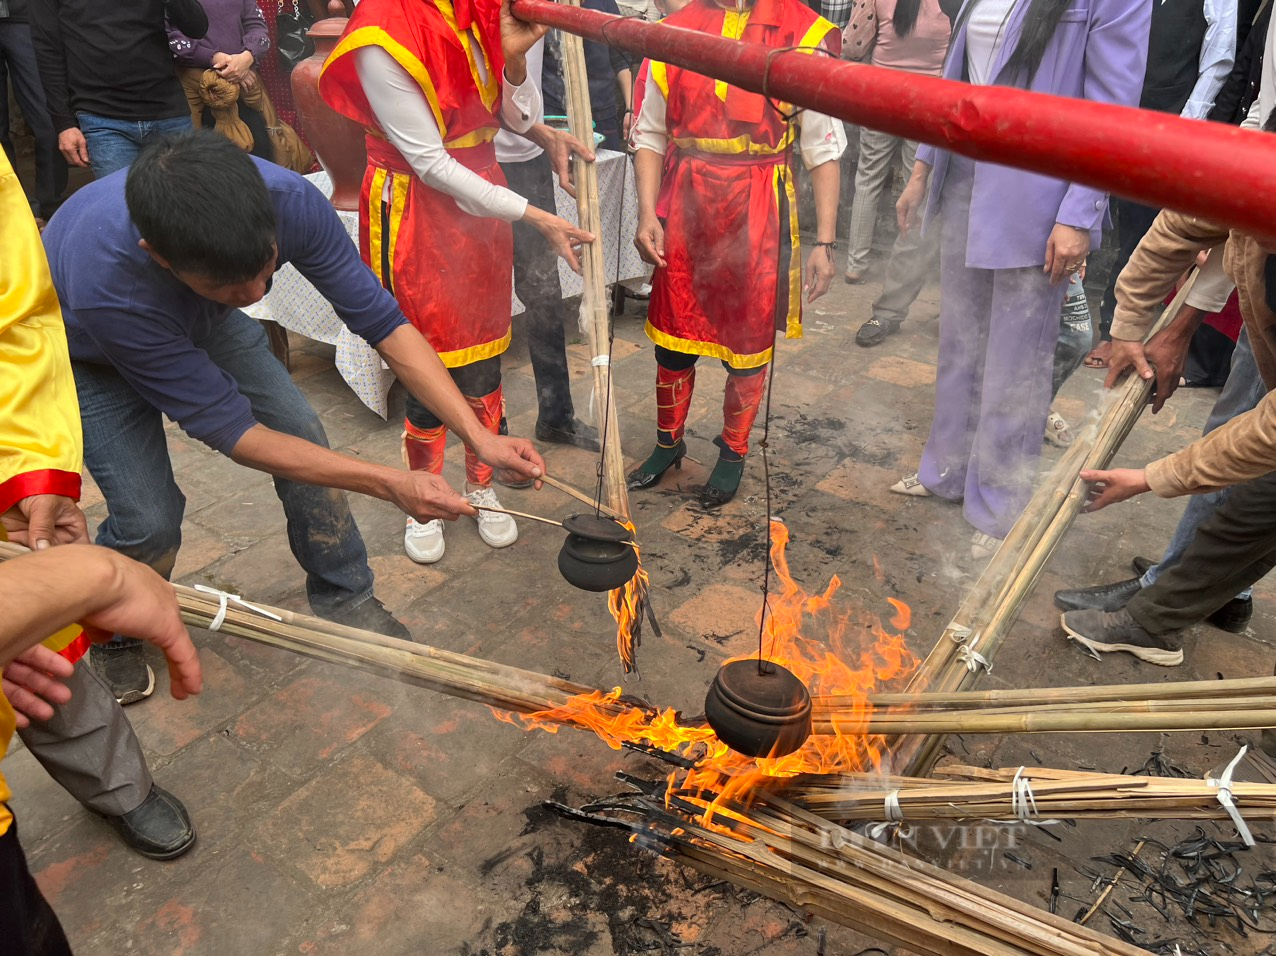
404,115
821,139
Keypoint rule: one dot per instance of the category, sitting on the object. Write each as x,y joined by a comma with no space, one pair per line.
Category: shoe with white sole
910,485
423,540
496,530
1058,432
1102,632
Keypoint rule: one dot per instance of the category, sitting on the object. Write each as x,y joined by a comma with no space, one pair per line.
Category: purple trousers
997,335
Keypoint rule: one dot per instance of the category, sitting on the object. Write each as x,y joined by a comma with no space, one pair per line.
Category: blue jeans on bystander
126,453
115,143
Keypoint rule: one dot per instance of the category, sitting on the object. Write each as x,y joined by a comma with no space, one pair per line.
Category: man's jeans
115,143
1243,390
127,455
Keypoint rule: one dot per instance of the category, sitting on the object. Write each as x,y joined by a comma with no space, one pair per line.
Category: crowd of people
128,309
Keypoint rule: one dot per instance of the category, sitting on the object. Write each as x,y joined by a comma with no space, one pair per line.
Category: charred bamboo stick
986,615
1027,722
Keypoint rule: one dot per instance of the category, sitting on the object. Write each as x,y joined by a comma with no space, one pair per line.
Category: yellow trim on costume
484,134
476,353
489,90
815,35
736,144
398,203
733,24
658,73
375,36
376,189
711,349
793,321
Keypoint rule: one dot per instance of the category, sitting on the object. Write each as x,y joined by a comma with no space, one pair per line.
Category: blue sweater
123,309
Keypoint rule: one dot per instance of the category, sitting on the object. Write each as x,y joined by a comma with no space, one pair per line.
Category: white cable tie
1023,803
893,811
600,361
972,658
1224,785
224,598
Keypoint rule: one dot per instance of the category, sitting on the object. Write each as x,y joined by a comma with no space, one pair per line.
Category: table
298,307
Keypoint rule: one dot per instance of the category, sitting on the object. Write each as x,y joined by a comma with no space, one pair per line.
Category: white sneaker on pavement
496,530
423,541
1058,432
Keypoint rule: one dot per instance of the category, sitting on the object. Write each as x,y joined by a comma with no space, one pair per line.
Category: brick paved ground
342,813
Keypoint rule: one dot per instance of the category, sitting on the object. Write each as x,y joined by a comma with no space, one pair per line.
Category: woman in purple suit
1009,241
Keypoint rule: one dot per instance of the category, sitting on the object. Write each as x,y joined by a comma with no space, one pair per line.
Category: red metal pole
1210,170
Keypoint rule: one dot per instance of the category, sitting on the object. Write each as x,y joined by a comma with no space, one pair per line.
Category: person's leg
913,258
154,129
321,531
1133,221
871,176
28,925
480,383
1232,549
50,167
675,384
741,400
113,144
537,286
1243,390
424,445
1014,398
965,303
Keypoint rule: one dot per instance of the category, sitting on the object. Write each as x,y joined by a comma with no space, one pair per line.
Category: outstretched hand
1110,487
515,457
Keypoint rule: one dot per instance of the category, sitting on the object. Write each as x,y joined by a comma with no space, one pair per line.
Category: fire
832,648
627,606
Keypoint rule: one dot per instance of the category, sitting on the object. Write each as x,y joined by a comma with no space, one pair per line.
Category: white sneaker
1058,433
496,530
983,546
424,541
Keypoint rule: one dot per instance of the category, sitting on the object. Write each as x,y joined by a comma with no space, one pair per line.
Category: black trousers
1133,221
1233,548
28,925
536,284
17,58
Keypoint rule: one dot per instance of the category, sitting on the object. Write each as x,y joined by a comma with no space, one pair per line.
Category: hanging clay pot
759,709
597,555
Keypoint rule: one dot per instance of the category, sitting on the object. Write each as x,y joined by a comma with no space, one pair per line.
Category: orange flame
626,605
831,648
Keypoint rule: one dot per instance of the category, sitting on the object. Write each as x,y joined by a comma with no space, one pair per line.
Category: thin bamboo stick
594,268
581,496
974,722
994,602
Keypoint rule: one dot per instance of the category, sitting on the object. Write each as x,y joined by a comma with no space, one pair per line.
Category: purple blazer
1099,53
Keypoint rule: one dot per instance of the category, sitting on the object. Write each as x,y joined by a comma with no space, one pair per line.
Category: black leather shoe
1142,564
369,615
158,828
575,433
1234,615
1105,597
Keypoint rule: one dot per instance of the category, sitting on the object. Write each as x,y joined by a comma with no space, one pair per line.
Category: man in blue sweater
152,265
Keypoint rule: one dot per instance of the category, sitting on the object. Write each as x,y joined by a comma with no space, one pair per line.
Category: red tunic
734,274
449,271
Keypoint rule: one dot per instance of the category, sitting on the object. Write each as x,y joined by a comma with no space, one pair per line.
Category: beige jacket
1166,252
1242,449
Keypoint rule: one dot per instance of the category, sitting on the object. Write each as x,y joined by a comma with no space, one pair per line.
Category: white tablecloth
297,306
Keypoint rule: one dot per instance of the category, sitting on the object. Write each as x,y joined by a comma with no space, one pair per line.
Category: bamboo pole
594,316
993,604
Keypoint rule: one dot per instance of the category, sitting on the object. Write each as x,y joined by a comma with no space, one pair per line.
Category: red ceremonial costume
443,265
734,274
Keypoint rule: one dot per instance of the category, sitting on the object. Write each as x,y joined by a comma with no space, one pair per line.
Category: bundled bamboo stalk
995,795
993,604
791,854
1166,690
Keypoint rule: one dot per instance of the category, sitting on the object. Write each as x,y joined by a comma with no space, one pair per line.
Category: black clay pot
759,712
597,555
